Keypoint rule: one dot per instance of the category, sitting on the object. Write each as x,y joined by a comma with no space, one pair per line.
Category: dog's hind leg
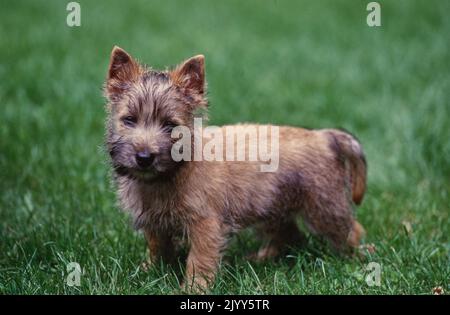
334,220
356,234
279,236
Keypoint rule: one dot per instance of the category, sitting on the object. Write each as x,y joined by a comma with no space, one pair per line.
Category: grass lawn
304,63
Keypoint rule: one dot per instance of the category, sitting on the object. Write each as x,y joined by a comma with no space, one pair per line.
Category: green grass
304,63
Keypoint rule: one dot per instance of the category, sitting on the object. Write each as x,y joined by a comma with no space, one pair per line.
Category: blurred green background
304,63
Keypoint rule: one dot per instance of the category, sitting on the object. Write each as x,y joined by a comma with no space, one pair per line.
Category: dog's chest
154,207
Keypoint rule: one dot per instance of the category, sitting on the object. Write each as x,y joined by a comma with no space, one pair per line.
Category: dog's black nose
144,158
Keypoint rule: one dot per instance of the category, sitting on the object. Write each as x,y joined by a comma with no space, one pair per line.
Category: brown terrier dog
321,174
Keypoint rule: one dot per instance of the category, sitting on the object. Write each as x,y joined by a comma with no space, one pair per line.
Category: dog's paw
146,265
363,251
199,286
264,254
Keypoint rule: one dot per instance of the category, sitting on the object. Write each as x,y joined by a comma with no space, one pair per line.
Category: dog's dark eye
129,121
169,125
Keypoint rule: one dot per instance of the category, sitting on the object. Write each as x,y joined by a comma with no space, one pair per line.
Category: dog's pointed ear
123,69
190,74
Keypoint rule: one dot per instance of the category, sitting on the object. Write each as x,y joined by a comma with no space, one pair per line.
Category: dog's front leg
160,246
207,239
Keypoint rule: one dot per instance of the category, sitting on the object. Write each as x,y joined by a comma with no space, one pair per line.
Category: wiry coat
321,174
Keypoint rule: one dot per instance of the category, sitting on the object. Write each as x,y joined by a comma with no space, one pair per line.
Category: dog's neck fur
155,202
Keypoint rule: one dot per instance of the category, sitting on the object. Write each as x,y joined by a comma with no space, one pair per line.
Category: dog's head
144,105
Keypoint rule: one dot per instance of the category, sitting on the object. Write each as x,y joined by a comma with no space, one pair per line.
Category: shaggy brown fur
321,174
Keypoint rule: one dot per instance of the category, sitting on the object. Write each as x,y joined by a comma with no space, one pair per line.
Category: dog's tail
349,149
